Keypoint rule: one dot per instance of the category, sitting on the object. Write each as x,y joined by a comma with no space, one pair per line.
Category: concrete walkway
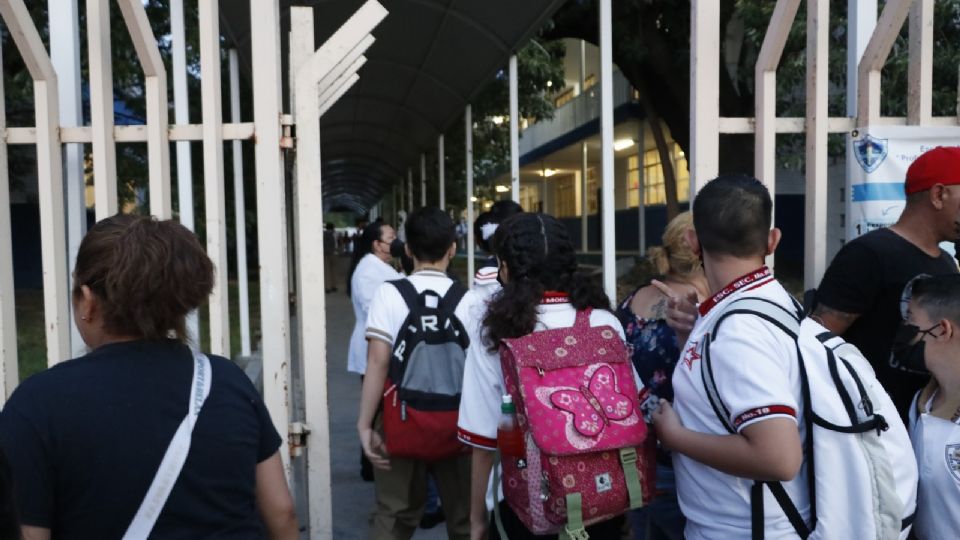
352,498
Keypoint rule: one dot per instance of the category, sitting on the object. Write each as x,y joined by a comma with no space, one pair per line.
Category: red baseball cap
938,166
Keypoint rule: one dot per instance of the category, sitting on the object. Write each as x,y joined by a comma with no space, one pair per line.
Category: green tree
651,45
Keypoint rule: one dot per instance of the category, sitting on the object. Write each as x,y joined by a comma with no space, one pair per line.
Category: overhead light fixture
498,119
473,199
623,144
546,173
549,84
502,189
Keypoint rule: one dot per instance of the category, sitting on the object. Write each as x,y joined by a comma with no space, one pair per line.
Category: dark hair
731,215
146,273
938,296
430,233
540,257
371,233
329,226
498,213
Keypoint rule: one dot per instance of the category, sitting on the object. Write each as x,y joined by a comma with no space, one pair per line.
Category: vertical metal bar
920,68
514,132
53,237
239,209
271,214
9,371
606,151
584,199
471,250
815,201
65,54
423,179
861,21
409,189
101,108
641,181
181,112
765,96
440,171
155,82
704,93
213,185
584,217
403,197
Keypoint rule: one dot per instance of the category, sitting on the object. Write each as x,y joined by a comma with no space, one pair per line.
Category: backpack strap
789,323
450,301
583,317
407,291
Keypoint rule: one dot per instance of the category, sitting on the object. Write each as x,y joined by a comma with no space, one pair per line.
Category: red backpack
587,454
421,398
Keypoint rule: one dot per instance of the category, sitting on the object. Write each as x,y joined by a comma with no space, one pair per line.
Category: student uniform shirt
388,310
936,444
85,439
757,377
483,385
370,273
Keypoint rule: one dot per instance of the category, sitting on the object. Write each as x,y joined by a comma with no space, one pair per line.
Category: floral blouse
653,349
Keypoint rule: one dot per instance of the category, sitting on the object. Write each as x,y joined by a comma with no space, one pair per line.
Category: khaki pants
402,495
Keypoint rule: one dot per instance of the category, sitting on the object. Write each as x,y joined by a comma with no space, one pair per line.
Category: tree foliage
651,45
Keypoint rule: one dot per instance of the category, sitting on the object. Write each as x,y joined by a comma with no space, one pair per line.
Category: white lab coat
370,273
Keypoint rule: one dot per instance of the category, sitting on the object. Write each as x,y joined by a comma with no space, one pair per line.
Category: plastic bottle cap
506,406
507,398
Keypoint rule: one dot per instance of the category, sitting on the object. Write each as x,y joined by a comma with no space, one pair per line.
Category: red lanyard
555,297
734,286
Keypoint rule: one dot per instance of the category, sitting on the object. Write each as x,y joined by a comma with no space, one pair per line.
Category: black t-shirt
85,439
867,277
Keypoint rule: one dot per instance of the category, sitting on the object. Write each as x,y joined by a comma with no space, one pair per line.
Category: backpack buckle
579,533
628,456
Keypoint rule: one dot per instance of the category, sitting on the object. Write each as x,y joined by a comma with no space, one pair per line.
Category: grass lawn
31,340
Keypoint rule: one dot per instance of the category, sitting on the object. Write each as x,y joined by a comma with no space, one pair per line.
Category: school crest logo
952,454
870,152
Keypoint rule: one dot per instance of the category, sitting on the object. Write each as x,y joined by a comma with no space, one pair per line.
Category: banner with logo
878,167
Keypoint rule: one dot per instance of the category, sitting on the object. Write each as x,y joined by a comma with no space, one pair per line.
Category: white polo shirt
483,385
757,377
936,444
485,282
388,310
369,274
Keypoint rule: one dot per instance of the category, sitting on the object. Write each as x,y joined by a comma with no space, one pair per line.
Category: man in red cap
859,296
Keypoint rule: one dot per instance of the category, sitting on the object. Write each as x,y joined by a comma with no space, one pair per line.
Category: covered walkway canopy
430,58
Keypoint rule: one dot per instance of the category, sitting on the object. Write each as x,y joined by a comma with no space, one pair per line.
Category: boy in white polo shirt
401,483
756,372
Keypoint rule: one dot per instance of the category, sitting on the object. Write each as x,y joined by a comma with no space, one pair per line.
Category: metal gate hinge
299,431
288,138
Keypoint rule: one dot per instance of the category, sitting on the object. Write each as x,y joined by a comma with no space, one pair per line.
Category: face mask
397,248
906,354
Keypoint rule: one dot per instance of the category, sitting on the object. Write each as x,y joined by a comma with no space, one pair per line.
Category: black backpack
425,376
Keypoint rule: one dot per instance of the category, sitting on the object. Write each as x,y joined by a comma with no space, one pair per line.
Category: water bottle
509,436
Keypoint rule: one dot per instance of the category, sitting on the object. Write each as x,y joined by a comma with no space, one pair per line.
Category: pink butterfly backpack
587,454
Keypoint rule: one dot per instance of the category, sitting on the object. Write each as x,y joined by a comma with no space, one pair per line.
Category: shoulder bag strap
176,455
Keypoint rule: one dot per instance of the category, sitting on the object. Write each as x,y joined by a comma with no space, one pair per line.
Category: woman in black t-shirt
85,438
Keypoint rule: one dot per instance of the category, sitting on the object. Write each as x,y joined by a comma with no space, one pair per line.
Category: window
633,181
653,185
530,197
566,196
593,184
